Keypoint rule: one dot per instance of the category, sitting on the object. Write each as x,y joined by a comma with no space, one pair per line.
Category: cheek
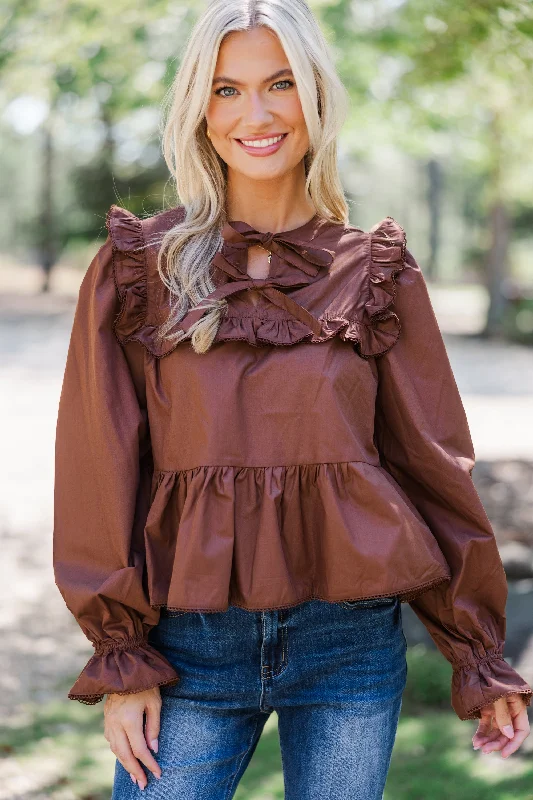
293,115
220,118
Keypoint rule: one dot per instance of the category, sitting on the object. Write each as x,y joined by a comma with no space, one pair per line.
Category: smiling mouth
262,144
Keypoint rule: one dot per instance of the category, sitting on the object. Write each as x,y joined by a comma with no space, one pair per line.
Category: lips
262,151
259,138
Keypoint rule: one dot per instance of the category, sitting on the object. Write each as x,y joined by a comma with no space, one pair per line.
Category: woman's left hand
503,726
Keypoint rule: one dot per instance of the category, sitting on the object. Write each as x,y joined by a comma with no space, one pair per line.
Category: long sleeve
102,479
424,442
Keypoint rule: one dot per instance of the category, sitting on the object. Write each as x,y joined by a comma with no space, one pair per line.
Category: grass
58,751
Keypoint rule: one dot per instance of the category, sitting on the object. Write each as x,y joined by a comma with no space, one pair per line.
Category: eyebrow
224,79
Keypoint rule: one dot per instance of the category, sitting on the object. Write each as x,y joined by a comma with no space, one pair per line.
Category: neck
269,206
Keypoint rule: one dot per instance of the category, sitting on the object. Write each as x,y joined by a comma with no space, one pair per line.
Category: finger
120,746
502,716
522,731
151,727
493,735
516,702
140,748
495,744
517,707
515,743
479,741
484,730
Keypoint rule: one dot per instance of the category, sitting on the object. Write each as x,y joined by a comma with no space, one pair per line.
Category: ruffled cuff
122,667
477,685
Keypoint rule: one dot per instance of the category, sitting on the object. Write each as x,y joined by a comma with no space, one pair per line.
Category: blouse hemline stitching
405,594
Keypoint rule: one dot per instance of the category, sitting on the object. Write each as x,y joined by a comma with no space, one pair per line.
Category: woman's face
254,97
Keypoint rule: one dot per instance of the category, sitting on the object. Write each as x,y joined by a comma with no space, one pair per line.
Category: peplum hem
481,683
406,597
269,537
122,667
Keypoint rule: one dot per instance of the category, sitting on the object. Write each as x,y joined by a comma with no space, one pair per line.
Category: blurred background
440,137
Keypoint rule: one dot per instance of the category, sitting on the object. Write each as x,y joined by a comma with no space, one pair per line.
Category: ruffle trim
477,685
373,334
371,340
373,331
129,271
381,327
122,667
257,330
298,524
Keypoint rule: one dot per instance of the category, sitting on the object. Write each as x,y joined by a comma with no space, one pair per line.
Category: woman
261,451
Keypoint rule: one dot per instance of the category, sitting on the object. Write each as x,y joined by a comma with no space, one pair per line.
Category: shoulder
386,241
398,297
363,260
388,251
134,242
357,250
366,273
130,233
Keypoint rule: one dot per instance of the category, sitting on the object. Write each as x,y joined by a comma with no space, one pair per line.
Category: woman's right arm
102,442
424,442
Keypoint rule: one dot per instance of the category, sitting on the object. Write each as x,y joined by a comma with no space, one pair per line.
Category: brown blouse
319,449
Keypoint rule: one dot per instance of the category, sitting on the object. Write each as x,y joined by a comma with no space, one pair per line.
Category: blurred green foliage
433,80
518,317
428,684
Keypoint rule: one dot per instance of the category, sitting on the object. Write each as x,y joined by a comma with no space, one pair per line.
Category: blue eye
291,83
222,88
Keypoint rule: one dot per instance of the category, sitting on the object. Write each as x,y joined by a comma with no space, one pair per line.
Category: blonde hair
187,249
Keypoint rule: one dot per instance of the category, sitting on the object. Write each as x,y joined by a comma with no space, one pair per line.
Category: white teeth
262,142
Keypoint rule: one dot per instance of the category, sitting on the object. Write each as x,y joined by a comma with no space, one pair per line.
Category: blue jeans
333,672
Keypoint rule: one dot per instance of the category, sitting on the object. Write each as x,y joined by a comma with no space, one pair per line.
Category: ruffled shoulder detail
129,271
381,326
365,318
363,315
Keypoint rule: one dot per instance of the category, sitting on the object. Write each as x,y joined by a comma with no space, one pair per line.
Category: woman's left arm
422,435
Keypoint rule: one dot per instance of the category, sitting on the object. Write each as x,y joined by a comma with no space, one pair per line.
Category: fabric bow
293,263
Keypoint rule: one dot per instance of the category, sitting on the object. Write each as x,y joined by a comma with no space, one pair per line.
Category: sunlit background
440,136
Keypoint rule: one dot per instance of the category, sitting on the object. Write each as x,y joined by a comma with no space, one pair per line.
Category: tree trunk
47,250
497,261
434,202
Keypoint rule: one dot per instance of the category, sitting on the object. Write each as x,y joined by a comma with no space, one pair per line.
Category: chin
263,171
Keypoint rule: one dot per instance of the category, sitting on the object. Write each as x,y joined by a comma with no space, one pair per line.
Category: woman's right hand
123,729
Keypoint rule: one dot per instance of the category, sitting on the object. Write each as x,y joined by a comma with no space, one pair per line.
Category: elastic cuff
477,685
122,667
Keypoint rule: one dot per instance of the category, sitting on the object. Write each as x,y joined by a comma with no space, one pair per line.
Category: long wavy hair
187,249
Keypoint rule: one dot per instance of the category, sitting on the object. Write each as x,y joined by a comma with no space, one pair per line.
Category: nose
257,114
